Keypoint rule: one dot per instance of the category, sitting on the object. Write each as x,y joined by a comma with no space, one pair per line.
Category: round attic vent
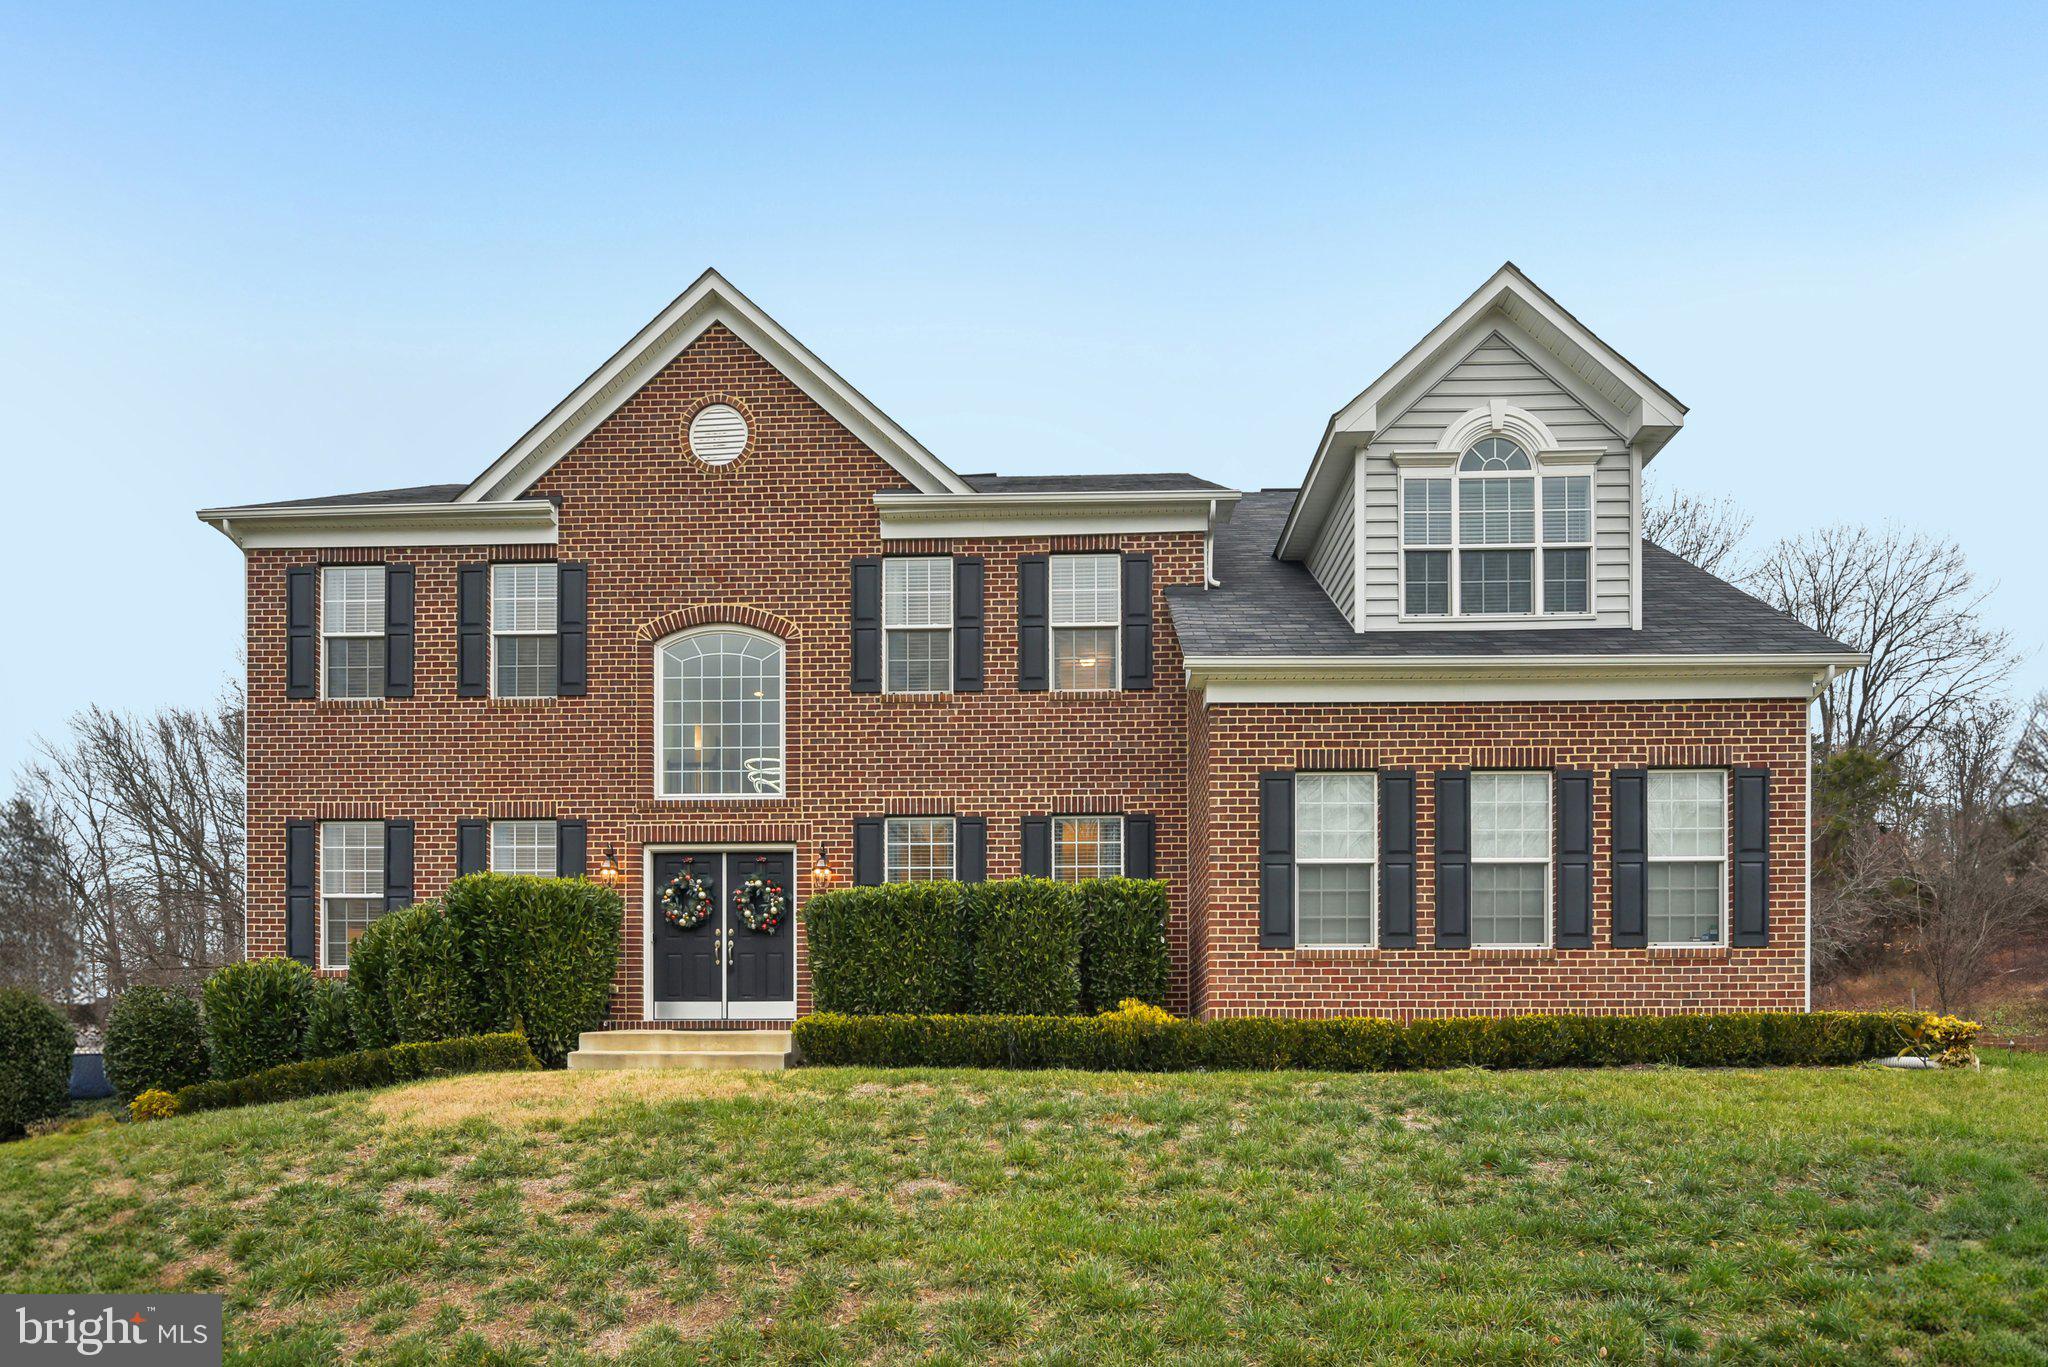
718,434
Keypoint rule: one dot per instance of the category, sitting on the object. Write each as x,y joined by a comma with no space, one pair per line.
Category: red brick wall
1234,743
766,541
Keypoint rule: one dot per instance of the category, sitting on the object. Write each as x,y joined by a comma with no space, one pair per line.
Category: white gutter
914,516
1508,678
531,521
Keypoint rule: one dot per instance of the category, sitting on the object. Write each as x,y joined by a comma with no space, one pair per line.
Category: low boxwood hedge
899,947
1149,1042
365,1068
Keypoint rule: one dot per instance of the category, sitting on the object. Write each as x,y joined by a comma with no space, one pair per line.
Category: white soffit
710,300
916,517
1645,413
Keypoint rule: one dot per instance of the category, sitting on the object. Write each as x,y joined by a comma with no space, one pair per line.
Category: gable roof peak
710,299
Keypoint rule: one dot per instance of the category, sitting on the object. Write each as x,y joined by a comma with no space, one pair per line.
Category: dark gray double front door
721,969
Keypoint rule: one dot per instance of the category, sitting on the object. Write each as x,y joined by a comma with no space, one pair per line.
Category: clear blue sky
249,253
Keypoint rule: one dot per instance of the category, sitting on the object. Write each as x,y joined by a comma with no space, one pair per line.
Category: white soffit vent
718,434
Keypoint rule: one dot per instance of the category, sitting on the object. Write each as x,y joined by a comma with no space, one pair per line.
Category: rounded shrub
155,1039
328,1031
428,980
369,987
1026,947
542,955
35,1061
153,1104
256,1015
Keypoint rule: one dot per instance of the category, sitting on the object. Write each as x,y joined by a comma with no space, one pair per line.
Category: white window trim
320,882
1115,626
1549,863
660,647
889,632
495,864
1122,831
320,666
492,632
1727,841
1373,863
888,846
1539,470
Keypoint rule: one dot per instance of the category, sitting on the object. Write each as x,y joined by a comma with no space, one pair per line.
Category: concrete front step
758,1050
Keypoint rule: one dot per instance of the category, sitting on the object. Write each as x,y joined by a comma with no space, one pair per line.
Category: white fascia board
1657,417
527,522
710,300
919,517
1560,678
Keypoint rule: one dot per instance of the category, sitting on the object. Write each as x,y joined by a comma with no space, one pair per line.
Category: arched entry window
718,694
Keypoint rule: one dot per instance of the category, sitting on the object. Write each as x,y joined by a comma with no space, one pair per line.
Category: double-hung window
525,618
1336,852
1687,887
352,630
917,624
524,847
351,885
917,849
1087,847
1087,603
1511,860
1495,539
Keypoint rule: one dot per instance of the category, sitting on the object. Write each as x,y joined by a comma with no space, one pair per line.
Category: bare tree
1856,857
1709,532
1914,605
39,944
147,813
1973,877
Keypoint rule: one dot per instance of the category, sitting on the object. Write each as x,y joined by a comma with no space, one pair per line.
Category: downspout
1209,579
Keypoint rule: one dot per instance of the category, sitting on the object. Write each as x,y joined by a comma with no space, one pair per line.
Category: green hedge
1352,1044
155,1038
1123,942
370,1017
428,979
900,947
542,953
35,1060
328,1031
1024,946
256,1015
367,1068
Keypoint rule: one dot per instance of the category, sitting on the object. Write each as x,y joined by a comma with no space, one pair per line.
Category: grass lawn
853,1216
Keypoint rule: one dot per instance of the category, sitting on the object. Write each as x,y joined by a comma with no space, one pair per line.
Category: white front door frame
719,1010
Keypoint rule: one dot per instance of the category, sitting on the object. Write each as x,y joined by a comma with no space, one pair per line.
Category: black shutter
1454,859
968,598
867,625
572,848
868,869
572,630
472,847
1629,844
1574,860
1137,597
1751,927
1034,629
1397,859
970,849
473,631
397,865
301,633
1276,859
398,631
301,901
1035,841
1139,842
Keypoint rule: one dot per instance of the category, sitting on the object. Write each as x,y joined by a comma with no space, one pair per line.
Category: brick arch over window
715,615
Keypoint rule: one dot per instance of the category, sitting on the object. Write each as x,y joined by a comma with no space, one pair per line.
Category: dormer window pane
1497,512
1429,583
1564,581
1567,508
1494,581
1427,512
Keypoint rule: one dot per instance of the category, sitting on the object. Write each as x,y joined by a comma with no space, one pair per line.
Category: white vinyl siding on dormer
1496,370
1334,561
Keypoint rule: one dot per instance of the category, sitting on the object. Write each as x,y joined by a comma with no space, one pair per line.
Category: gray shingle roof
1274,607
413,493
1091,484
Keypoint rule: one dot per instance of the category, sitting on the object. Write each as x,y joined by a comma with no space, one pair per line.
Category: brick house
1435,732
